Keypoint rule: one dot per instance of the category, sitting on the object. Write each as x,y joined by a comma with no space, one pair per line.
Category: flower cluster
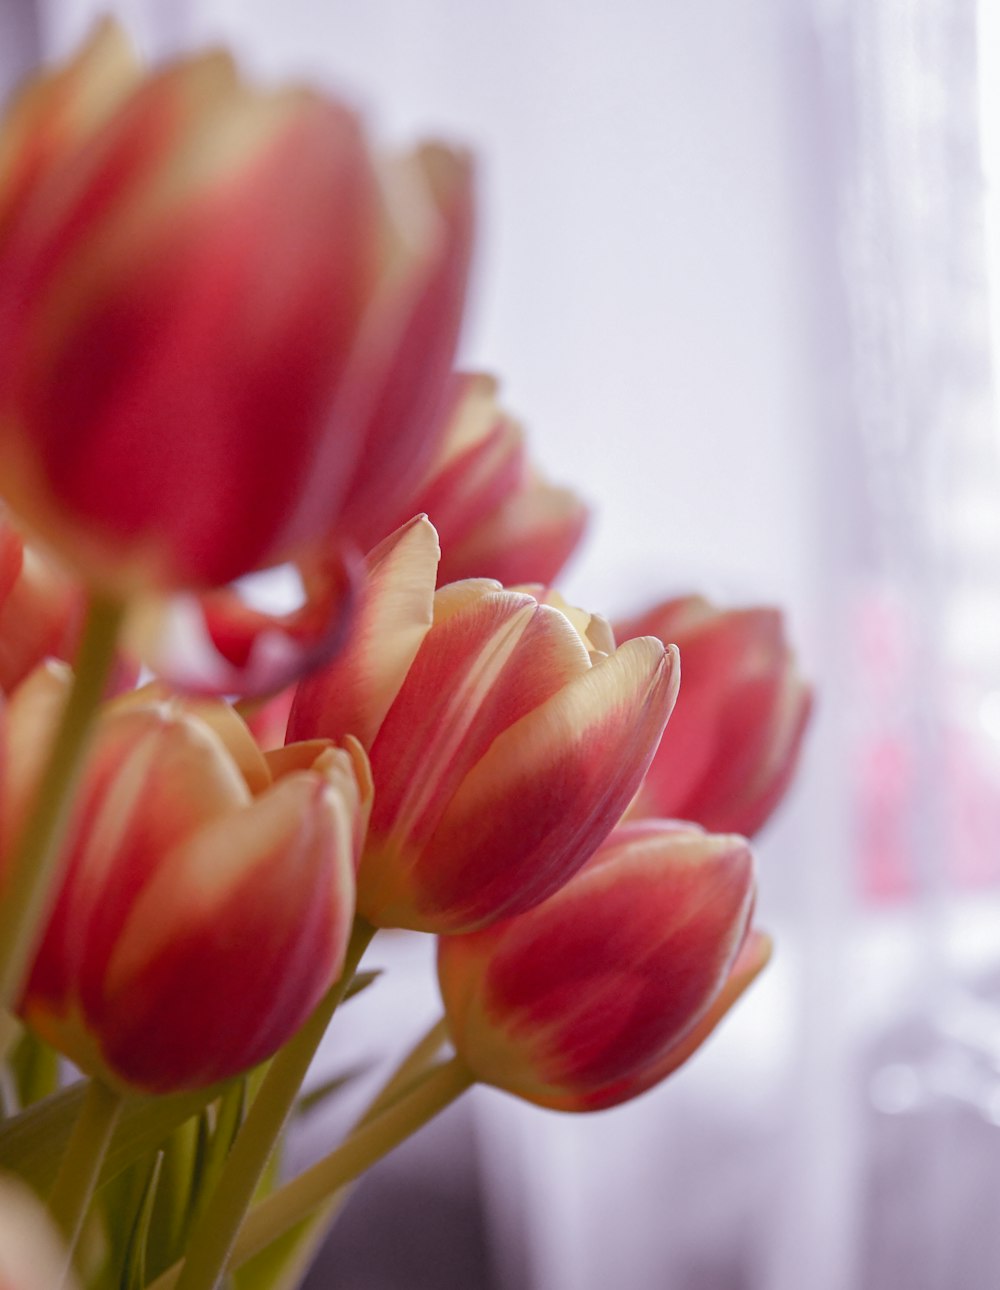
433,740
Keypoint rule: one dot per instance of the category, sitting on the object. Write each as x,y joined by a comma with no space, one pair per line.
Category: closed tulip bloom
741,714
207,897
219,320
495,516
505,743
604,989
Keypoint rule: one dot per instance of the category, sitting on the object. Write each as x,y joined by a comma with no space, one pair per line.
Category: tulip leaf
361,981
284,1263
34,1067
217,1127
134,1270
32,1143
308,1102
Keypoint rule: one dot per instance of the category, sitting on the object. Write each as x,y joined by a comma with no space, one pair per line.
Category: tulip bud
741,714
504,742
31,1252
494,516
595,995
207,898
170,414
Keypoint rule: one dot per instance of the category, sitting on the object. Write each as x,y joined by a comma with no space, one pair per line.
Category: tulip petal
165,222
353,693
215,643
412,348
473,482
571,764
597,1011
528,538
259,905
32,1256
751,961
56,112
152,778
596,994
763,725
741,715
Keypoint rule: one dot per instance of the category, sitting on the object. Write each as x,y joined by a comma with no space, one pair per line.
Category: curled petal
216,643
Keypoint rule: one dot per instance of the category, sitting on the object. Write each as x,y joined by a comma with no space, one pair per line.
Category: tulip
40,609
173,414
505,742
32,1256
495,517
603,990
741,714
207,895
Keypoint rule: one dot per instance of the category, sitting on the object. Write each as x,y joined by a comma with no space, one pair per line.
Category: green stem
407,1072
80,1168
292,1260
34,869
213,1235
297,1258
285,1208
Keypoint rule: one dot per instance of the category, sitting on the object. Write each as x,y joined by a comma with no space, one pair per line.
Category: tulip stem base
34,869
213,1236
81,1164
287,1207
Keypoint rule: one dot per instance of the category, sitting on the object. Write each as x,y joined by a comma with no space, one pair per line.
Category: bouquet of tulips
227,336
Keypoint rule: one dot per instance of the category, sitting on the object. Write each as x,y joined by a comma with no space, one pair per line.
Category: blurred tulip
207,897
170,414
494,516
41,609
741,714
595,995
505,743
31,1252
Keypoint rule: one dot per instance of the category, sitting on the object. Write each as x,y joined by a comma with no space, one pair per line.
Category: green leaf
215,1138
34,1067
361,981
134,1267
308,1102
174,1197
32,1143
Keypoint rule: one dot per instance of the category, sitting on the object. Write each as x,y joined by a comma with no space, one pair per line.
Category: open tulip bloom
431,738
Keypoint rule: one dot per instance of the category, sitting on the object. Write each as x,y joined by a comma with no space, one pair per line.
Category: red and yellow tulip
207,894
741,715
495,516
605,988
172,414
505,742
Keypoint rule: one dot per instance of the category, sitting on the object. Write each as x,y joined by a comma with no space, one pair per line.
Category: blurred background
734,272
